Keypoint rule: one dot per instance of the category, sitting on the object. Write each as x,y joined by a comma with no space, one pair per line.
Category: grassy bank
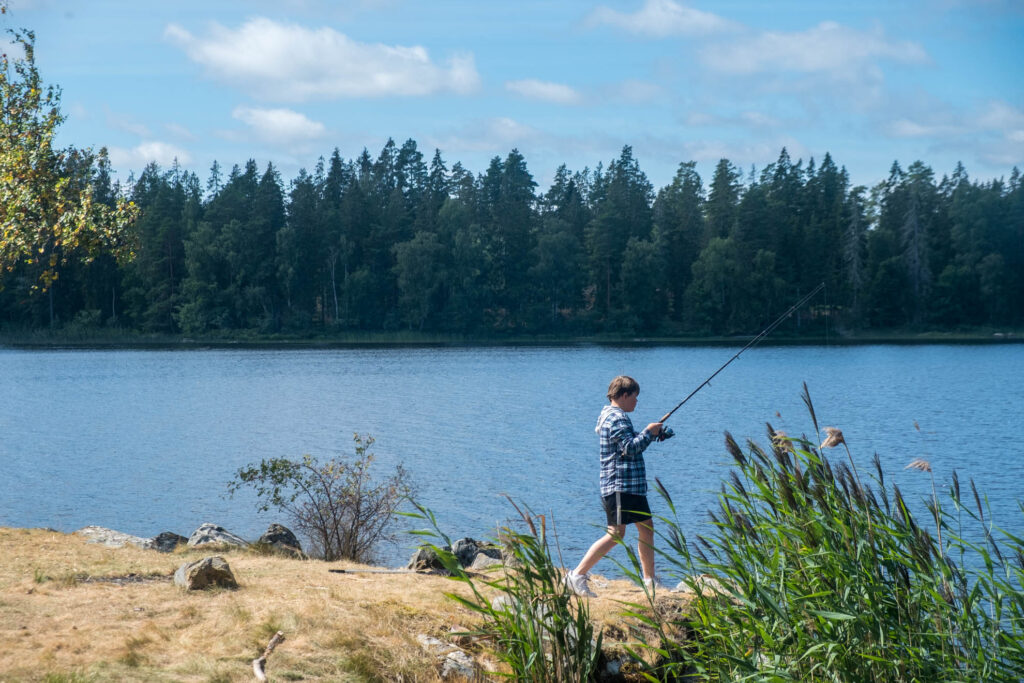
71,611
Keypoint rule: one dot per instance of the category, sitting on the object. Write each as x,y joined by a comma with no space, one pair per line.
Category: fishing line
667,433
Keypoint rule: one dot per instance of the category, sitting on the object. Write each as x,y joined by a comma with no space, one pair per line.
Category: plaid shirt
622,453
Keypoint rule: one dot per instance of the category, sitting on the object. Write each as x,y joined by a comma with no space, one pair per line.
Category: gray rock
281,539
482,562
458,665
211,533
455,663
465,550
426,560
504,602
205,573
168,541
112,539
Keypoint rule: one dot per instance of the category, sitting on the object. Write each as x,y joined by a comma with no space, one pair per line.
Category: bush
335,504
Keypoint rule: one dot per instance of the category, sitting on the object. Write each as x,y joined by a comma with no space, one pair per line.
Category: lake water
146,441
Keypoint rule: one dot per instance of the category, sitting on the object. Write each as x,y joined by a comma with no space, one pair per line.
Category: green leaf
834,616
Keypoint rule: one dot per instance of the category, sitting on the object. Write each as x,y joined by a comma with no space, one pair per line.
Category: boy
623,484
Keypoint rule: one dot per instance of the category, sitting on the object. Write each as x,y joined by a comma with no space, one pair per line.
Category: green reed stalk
539,628
809,575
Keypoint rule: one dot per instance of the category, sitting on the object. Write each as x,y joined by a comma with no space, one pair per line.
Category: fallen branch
258,665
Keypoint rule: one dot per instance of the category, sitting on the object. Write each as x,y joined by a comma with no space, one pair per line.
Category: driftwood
259,665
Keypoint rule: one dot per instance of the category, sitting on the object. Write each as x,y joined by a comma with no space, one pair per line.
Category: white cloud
748,119
544,90
905,128
997,119
662,18
826,48
1001,116
992,135
179,131
162,153
126,124
288,62
282,126
491,136
744,153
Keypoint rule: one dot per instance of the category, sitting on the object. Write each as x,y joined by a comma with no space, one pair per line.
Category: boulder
426,560
468,552
281,539
111,538
168,541
205,573
483,561
211,533
465,550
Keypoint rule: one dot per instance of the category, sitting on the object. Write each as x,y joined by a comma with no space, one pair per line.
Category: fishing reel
665,434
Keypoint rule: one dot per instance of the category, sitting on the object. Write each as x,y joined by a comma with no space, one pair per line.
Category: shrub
334,504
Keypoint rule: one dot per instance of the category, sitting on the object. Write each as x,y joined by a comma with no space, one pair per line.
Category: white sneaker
577,583
655,584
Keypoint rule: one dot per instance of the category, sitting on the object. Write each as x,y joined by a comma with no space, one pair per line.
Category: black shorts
631,509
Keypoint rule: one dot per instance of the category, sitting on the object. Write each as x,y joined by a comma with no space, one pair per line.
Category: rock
426,560
168,541
205,573
504,602
707,585
281,539
211,533
454,662
465,550
483,562
612,670
458,665
112,539
435,646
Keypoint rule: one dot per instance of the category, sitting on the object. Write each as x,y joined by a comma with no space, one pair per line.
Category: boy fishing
623,484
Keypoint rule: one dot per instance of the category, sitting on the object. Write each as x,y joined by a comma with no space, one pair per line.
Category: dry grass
71,611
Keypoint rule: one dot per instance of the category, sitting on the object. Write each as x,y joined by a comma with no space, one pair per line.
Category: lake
146,441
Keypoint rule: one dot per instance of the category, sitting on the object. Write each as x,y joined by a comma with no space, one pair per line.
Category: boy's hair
621,386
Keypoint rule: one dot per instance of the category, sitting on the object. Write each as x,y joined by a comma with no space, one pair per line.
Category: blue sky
568,82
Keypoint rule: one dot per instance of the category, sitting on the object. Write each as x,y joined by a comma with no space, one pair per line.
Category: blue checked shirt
622,453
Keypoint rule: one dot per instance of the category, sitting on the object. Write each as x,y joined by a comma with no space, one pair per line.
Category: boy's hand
654,428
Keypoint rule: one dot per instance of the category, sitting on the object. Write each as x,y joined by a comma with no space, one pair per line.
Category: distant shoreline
43,341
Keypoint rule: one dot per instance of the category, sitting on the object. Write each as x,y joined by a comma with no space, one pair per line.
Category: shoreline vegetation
108,339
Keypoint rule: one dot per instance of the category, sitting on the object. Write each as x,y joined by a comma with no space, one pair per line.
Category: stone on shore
211,533
426,560
205,573
168,541
281,539
113,539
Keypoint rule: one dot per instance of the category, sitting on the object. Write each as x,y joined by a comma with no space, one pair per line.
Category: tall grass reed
821,577
538,627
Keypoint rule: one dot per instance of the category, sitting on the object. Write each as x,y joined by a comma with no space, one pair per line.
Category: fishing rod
668,433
